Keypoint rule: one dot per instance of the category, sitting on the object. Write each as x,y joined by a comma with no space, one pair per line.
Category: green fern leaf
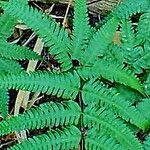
99,43
47,114
51,33
146,145
115,53
143,30
128,43
113,72
65,139
143,62
100,119
128,93
127,33
16,52
127,8
4,102
96,140
112,100
144,108
147,85
65,85
5,66
7,24
81,29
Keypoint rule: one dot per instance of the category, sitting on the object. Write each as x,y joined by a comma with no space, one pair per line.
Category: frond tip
81,29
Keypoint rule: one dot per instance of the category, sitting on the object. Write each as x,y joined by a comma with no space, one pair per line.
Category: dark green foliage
103,102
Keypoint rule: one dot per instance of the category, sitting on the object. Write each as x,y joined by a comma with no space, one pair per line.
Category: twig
65,18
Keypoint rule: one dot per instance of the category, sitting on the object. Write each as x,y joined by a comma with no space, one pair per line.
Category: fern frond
106,121
127,33
96,140
143,62
128,8
65,85
16,52
140,56
7,24
113,101
47,114
111,71
146,145
115,53
5,66
64,139
128,93
147,85
144,108
81,29
101,39
143,30
4,102
51,33
128,43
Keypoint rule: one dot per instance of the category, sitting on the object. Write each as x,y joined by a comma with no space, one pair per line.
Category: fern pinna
100,104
